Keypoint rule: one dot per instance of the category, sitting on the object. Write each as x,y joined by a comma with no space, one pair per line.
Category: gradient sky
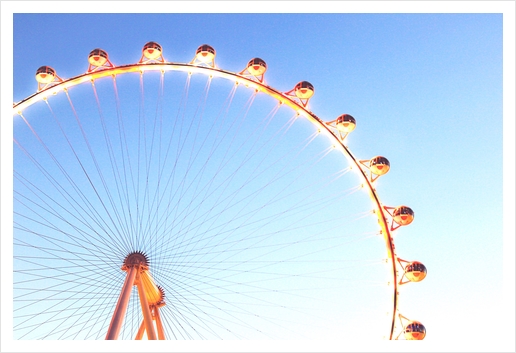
427,90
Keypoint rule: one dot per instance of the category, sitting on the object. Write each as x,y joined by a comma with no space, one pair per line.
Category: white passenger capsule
205,53
379,165
415,271
97,57
403,215
304,90
345,123
45,74
152,50
415,331
256,67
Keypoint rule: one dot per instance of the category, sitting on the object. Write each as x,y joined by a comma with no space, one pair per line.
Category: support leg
121,306
147,316
141,330
159,324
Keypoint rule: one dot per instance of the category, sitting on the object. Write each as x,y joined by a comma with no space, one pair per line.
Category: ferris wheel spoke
314,204
87,209
210,301
62,309
196,179
230,247
199,303
189,184
81,238
194,215
125,158
224,184
70,316
110,213
120,191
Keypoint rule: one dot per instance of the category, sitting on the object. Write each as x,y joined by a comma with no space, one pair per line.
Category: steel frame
296,104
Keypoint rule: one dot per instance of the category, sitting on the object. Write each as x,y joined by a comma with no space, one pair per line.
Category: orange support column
121,306
140,332
147,316
159,324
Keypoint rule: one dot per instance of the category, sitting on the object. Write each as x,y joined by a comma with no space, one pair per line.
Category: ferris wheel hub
136,258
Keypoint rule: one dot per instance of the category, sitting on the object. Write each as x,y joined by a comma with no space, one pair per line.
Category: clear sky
426,85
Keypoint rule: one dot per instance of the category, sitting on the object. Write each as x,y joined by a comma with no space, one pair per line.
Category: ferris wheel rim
281,97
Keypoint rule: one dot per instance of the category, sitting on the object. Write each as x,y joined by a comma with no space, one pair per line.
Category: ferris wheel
235,211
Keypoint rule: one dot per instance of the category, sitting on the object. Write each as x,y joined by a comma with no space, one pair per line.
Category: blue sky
428,91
